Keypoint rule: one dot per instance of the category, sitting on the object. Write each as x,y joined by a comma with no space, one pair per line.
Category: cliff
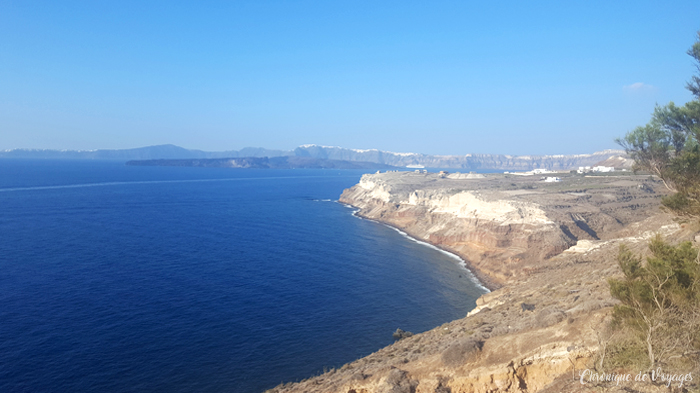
470,162
505,225
546,249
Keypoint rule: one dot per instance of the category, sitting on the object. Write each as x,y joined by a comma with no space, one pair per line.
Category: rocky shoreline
479,279
545,248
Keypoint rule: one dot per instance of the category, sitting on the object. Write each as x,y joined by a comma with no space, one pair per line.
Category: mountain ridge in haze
464,162
167,151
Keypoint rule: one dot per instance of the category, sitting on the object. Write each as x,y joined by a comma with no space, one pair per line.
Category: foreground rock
545,248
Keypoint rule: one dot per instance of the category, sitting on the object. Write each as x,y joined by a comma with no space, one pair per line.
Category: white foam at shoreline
460,260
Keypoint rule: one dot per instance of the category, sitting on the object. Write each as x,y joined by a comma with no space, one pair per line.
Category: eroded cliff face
503,226
465,162
546,249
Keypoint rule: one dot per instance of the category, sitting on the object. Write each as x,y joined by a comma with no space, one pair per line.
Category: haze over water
117,278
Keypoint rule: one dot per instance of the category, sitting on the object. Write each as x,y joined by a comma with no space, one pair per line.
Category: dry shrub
461,352
398,382
549,317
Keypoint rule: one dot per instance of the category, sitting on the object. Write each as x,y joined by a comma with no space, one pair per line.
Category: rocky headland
545,249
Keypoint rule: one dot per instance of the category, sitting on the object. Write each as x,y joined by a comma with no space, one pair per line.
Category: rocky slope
545,248
505,225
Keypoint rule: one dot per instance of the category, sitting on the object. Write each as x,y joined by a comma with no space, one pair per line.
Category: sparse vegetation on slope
659,313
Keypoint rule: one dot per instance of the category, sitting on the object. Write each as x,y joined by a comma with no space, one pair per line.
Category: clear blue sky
437,77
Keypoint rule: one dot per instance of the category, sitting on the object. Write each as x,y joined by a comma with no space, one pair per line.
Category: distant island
285,162
469,162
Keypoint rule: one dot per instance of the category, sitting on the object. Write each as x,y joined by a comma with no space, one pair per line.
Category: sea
118,278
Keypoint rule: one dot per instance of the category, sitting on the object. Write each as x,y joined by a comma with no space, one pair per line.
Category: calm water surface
131,279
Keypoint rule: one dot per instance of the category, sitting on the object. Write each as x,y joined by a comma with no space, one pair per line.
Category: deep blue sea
118,278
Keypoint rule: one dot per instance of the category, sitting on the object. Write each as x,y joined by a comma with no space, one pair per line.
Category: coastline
475,277
545,319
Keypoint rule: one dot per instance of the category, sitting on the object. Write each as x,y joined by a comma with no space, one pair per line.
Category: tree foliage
694,83
660,302
669,147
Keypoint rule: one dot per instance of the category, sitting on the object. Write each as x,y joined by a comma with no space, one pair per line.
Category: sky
434,77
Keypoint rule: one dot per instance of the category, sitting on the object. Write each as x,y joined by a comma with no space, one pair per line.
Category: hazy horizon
303,145
443,77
